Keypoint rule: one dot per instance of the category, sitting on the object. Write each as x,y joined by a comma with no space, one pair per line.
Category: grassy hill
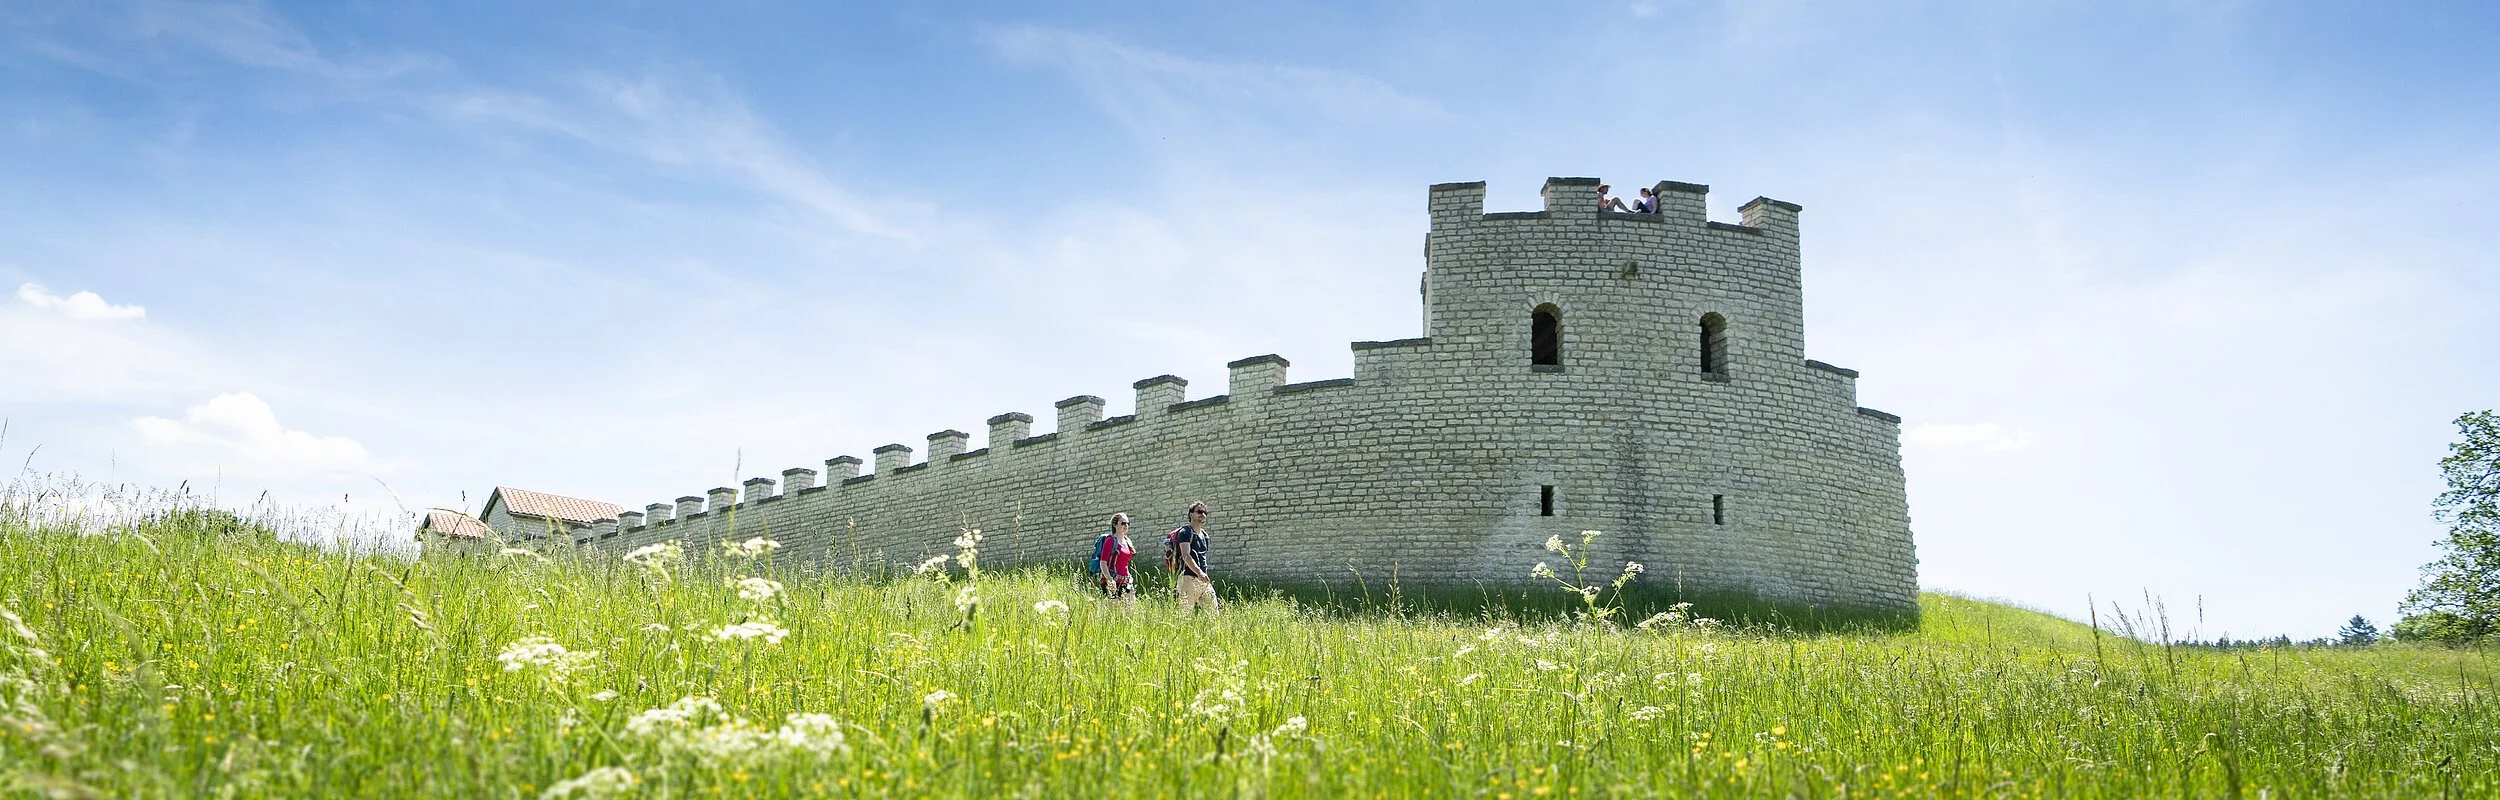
191,657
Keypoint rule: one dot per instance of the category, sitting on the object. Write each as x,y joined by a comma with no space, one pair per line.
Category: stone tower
1643,375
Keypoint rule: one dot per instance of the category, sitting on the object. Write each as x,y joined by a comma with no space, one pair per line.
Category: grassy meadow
185,656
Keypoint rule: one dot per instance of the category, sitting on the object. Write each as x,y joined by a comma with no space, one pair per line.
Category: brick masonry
1431,461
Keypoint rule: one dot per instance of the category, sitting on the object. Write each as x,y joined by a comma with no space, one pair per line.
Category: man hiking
1186,549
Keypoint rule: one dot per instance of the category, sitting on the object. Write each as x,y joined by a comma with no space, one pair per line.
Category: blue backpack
1094,562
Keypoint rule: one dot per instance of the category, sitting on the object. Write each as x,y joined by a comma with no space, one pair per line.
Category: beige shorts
1196,591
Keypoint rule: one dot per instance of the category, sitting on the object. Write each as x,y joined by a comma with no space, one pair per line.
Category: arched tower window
1713,344
1545,336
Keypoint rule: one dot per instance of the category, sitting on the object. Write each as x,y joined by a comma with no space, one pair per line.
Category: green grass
184,658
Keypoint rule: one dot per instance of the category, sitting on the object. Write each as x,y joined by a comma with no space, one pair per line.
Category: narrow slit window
1545,502
1718,509
1713,344
1545,336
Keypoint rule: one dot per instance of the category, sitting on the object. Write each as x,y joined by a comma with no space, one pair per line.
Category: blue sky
2175,298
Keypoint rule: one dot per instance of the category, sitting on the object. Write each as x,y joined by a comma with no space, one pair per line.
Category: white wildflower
544,653
656,557
1543,665
687,711
1472,677
1492,633
656,627
1555,543
1633,568
750,548
1216,701
1589,593
966,598
1463,651
814,733
597,783
1541,570
604,695
1294,726
968,540
757,589
933,564
1647,713
1050,608
730,740
929,704
752,629
515,552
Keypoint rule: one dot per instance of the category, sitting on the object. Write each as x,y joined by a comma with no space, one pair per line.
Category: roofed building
524,516
452,531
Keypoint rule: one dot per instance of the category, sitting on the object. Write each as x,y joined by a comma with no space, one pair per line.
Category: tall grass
180,654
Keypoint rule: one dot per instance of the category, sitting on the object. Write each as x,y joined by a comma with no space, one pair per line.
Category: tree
2358,631
2459,598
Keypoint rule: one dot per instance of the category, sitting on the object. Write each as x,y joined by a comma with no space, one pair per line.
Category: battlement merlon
1256,377
841,468
1775,218
1677,200
1006,428
1570,197
797,479
1158,393
1077,412
945,445
758,489
892,457
723,497
1457,203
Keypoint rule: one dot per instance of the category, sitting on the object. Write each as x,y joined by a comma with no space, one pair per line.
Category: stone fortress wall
1448,458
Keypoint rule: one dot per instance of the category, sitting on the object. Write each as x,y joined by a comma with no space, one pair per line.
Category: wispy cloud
681,118
1158,94
130,38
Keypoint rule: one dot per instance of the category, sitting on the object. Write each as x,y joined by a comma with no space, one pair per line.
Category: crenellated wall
1432,461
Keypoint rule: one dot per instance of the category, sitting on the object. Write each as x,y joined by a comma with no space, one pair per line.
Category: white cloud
80,306
82,349
1981,436
239,430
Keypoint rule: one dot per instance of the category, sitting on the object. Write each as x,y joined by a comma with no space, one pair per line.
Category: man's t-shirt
1190,537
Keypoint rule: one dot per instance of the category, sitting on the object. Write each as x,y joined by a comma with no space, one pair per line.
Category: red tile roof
526,503
453,524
